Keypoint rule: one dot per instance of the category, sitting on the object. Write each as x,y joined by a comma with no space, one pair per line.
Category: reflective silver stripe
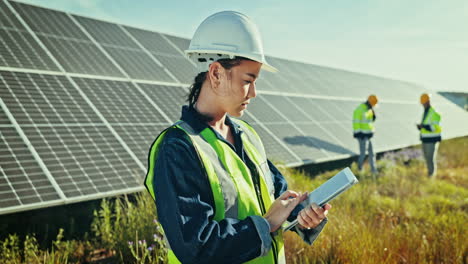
257,143
227,185
362,121
364,131
426,135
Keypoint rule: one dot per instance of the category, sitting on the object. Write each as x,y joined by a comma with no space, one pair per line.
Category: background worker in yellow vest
363,128
430,134
218,198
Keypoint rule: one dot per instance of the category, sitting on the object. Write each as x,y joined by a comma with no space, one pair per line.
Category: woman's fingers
287,194
313,215
319,211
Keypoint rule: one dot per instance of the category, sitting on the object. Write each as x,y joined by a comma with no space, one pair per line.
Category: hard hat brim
265,65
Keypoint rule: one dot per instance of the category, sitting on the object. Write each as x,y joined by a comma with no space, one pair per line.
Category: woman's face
237,87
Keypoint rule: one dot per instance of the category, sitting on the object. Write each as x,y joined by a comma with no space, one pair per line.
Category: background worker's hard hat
225,35
372,99
425,98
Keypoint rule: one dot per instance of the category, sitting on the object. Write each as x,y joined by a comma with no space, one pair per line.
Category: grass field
401,216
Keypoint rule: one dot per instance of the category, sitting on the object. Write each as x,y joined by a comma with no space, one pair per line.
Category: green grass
399,217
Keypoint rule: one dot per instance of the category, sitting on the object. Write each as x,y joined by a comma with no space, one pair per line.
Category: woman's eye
247,81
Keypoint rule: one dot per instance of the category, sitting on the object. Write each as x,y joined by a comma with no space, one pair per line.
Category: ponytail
196,88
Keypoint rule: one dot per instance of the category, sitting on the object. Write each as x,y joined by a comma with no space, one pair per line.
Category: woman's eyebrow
251,75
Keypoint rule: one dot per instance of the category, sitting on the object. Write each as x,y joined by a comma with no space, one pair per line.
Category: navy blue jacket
185,205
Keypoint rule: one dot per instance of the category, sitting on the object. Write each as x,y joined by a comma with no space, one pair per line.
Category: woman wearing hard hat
218,198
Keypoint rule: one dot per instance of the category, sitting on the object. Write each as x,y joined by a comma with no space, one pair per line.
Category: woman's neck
216,118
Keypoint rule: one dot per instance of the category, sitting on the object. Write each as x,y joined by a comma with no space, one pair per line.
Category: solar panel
299,143
181,43
264,112
48,22
78,149
277,149
138,65
106,33
80,56
153,42
83,99
22,181
168,98
19,49
8,19
179,66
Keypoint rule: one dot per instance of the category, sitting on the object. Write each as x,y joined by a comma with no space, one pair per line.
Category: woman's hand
312,216
282,207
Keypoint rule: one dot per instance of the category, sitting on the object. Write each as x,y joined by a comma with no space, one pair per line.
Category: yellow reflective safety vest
363,121
432,119
236,193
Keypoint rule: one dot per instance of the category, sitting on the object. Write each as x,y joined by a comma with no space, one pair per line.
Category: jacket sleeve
308,235
184,203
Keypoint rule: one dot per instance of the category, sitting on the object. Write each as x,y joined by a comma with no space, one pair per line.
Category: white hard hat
225,35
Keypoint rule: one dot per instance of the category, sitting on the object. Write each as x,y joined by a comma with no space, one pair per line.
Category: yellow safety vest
235,194
363,120
432,119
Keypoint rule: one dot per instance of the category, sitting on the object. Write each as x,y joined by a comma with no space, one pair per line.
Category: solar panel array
83,99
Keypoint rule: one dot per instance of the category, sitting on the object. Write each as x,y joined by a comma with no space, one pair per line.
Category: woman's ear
214,74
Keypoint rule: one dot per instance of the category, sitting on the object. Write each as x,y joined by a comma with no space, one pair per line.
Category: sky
420,41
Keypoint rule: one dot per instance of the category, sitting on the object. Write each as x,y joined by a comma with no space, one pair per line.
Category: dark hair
195,88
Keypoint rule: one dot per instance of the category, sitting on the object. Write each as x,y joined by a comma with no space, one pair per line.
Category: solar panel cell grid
20,50
264,112
181,43
286,107
179,66
78,56
295,80
8,19
296,141
324,140
85,160
138,65
343,133
171,99
46,21
119,102
21,179
44,99
152,41
276,152
139,138
318,109
106,33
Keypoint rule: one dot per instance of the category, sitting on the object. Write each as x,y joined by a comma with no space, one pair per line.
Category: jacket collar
199,122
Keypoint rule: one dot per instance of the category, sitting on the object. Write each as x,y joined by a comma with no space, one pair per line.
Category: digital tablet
328,191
